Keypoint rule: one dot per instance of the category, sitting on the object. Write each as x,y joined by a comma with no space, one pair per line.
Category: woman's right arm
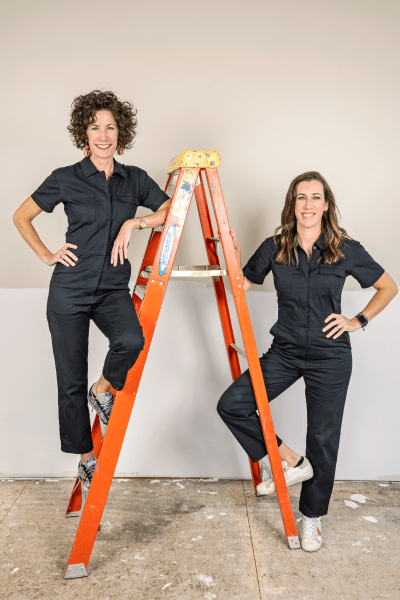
246,283
23,218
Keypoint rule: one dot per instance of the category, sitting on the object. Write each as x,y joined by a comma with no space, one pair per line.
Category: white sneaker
292,475
310,533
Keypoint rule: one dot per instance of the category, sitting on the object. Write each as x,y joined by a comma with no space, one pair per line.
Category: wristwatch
362,319
142,224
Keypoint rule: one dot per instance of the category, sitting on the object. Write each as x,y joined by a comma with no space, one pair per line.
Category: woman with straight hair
91,275
310,257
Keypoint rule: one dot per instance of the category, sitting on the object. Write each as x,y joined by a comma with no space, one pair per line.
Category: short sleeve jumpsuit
93,288
307,295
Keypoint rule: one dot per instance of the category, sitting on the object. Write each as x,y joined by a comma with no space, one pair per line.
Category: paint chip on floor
181,486
371,519
166,585
206,579
358,498
351,504
15,570
155,481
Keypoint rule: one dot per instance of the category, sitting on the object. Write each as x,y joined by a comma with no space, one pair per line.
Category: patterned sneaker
292,475
103,406
310,533
85,476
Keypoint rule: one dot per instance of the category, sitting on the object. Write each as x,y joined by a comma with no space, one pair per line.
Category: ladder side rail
124,401
251,351
223,307
148,258
219,286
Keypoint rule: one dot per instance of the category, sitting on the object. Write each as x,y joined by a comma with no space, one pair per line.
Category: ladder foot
293,542
75,571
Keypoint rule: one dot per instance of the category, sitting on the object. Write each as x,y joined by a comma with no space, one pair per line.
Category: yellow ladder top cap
204,159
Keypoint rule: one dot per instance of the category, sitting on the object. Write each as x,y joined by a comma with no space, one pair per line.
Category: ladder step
146,272
140,291
239,350
214,239
198,271
159,228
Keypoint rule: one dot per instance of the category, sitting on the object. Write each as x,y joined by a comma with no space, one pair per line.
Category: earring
86,150
119,150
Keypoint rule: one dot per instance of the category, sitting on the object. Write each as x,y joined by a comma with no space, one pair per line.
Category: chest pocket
331,279
126,206
80,208
283,276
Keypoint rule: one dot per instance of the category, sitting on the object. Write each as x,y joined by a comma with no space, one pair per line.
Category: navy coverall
306,296
93,288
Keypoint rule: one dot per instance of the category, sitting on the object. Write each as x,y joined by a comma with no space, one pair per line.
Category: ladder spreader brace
185,177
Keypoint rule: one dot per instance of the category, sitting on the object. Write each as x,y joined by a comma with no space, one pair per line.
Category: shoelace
269,472
310,527
106,402
86,472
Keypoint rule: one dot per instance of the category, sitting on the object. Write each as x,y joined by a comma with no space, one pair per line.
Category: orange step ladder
186,173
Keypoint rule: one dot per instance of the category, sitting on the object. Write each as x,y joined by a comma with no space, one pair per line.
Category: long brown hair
285,236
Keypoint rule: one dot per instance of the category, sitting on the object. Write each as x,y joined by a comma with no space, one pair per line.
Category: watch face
362,320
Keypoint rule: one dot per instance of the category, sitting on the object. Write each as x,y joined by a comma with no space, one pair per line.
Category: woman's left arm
386,291
120,248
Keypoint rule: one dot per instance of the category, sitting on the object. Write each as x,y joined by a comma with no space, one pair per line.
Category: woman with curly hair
92,272
310,257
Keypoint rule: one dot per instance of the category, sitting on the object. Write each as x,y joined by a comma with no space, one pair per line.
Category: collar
89,168
320,242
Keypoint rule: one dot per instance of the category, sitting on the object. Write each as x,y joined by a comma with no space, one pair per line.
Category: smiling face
310,204
103,135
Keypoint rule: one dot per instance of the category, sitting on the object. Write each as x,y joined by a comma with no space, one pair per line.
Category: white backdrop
174,428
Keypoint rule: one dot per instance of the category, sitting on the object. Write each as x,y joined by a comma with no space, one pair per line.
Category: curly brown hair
83,113
286,237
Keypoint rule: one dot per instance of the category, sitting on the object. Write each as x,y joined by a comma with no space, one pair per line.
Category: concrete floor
198,539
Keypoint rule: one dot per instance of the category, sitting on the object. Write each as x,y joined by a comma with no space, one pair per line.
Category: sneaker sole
311,549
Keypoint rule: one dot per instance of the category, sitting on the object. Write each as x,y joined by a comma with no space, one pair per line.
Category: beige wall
276,87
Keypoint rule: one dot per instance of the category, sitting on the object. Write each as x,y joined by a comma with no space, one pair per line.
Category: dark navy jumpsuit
93,288
307,295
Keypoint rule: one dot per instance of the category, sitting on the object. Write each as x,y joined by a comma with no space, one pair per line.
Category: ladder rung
198,271
146,272
159,228
239,350
214,239
140,291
